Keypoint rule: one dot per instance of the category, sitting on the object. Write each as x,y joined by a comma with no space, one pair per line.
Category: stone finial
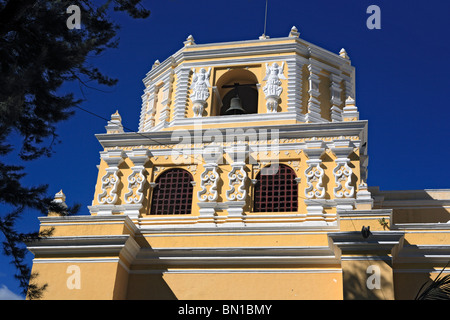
116,116
294,32
155,64
350,101
189,41
115,124
60,196
343,54
364,199
60,199
350,111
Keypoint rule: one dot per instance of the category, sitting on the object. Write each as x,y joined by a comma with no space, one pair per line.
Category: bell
235,106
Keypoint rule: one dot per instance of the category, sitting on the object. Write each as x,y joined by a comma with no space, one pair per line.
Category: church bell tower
247,179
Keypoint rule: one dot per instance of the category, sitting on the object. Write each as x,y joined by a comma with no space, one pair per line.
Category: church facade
247,179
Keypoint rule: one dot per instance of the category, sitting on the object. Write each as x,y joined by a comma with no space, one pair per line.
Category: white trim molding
79,246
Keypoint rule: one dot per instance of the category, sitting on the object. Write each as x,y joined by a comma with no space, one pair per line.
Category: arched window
276,190
172,193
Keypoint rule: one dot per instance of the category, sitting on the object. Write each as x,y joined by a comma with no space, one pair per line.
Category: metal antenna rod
265,19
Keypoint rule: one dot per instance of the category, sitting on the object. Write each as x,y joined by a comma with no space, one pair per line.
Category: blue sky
402,84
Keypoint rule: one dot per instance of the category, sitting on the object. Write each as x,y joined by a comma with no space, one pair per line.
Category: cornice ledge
237,256
55,220
82,245
353,241
298,130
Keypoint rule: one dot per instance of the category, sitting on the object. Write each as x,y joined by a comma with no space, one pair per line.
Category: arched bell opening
237,92
241,100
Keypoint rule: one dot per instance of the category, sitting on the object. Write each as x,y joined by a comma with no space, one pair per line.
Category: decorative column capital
314,149
342,149
113,157
139,156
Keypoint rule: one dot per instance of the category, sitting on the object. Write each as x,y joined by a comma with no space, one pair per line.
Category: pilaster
147,119
166,98
136,183
110,181
314,191
294,88
208,194
343,191
237,191
335,88
181,93
314,111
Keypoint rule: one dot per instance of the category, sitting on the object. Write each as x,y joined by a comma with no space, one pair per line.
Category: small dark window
173,193
276,191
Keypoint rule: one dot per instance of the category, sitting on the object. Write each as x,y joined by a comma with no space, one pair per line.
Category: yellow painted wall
230,240
252,286
98,281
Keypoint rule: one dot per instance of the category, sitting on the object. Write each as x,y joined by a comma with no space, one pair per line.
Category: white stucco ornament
200,90
273,88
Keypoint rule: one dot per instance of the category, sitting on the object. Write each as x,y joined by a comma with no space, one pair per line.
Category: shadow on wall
149,286
407,285
416,206
146,282
360,280
408,282
426,215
